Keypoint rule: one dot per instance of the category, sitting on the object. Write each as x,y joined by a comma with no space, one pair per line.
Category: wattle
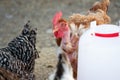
58,34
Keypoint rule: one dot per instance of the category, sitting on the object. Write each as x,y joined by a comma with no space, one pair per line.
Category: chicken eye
63,24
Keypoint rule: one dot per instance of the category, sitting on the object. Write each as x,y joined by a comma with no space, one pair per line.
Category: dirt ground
15,13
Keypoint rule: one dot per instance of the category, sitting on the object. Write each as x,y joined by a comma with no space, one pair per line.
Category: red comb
56,17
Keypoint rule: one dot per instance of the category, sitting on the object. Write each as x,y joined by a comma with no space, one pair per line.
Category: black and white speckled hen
20,54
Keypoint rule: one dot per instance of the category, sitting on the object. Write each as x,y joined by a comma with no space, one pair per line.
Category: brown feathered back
103,5
7,75
97,13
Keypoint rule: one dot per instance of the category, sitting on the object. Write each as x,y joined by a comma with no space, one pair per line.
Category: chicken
65,42
23,47
103,5
97,13
20,54
64,69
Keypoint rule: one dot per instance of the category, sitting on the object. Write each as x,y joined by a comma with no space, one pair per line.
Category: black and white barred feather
63,69
20,54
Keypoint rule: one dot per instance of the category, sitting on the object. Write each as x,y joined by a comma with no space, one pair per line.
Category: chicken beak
55,29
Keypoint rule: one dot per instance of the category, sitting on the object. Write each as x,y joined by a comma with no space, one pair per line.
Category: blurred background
15,13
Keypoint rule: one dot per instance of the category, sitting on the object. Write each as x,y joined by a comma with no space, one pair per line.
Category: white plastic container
99,53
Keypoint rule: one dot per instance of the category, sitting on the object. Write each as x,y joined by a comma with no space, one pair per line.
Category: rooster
66,43
20,54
